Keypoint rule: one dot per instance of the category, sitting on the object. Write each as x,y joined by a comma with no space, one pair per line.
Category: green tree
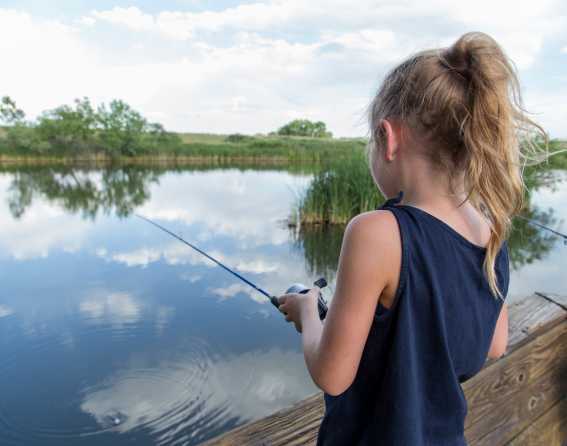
67,127
20,135
304,127
9,112
121,127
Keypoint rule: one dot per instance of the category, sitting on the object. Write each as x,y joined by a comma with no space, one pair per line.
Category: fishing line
273,299
545,227
295,288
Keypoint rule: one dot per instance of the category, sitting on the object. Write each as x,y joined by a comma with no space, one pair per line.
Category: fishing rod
295,288
545,227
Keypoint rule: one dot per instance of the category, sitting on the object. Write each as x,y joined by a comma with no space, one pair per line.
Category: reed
343,187
198,146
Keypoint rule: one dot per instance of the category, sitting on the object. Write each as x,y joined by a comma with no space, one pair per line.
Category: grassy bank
199,148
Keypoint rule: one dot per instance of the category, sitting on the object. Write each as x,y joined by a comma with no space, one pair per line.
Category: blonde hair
465,102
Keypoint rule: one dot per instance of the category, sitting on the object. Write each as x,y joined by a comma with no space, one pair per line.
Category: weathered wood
558,299
504,398
528,315
549,429
296,425
516,390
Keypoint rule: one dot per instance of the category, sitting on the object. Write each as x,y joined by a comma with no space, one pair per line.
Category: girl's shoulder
378,233
378,227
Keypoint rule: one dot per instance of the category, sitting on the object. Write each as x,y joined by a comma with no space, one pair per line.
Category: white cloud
130,17
564,50
115,308
87,21
5,311
235,288
252,67
162,397
163,317
190,277
36,46
41,228
544,109
139,257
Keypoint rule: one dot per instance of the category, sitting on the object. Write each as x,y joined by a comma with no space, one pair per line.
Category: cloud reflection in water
198,394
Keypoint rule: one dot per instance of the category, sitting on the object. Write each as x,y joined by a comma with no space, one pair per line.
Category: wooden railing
519,399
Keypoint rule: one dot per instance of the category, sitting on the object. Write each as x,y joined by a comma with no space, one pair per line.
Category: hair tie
449,67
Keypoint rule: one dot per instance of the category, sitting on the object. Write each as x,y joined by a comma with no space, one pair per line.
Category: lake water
113,332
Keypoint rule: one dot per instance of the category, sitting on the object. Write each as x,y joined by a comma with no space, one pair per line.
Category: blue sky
232,66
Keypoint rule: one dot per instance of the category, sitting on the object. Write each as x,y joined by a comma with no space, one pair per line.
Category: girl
421,282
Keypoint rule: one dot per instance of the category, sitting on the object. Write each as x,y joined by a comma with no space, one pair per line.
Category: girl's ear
391,139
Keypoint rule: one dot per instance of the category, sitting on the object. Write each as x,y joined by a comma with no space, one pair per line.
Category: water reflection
81,191
91,191
115,309
527,244
121,191
5,311
112,332
196,395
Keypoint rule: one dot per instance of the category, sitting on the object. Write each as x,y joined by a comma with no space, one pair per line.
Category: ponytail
465,102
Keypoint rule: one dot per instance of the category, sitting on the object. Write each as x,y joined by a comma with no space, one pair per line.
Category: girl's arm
370,256
500,336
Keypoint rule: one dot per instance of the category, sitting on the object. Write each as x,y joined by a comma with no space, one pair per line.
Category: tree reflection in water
91,191
82,191
321,244
121,190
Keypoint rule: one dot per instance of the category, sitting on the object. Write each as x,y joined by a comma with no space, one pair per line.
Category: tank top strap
405,242
392,201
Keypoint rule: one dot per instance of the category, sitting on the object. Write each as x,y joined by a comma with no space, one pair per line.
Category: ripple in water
183,402
160,399
179,400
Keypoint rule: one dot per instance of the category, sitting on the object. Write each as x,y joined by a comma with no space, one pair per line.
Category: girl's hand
296,306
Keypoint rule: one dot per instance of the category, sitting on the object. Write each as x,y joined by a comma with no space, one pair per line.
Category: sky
250,67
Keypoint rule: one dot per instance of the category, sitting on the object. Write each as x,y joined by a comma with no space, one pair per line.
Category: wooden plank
507,382
559,299
497,372
527,315
506,399
548,430
297,425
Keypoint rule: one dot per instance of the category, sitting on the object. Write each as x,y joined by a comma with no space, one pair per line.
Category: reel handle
302,289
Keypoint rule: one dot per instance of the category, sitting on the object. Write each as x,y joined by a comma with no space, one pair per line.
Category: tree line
116,129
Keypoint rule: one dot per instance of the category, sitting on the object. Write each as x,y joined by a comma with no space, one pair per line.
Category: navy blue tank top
435,336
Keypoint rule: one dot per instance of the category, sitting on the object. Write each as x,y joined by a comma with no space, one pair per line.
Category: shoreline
165,160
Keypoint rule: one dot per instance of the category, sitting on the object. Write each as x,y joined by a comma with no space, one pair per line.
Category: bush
304,127
117,130
238,138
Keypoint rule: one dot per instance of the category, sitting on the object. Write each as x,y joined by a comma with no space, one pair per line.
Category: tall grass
340,189
343,187
219,147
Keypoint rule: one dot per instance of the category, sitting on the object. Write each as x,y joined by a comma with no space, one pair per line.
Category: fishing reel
302,289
